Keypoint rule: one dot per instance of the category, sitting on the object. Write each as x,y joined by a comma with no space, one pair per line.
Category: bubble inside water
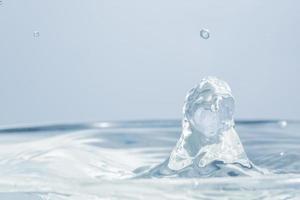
204,33
282,124
36,34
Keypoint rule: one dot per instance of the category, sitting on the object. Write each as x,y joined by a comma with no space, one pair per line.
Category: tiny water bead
36,34
204,33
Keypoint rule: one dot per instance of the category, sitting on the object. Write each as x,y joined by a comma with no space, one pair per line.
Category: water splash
209,144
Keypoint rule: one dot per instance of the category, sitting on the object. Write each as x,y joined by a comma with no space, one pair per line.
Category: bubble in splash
204,33
36,34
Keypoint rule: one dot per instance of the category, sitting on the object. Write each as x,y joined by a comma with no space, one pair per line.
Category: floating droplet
281,153
204,33
36,34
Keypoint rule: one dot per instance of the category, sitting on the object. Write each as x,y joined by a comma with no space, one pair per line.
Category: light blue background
122,60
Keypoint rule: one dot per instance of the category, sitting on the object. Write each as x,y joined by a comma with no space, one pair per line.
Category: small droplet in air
204,33
281,153
36,34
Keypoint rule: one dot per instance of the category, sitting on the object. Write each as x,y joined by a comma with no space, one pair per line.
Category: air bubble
204,33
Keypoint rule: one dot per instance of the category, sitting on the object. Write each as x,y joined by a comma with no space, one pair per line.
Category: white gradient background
124,60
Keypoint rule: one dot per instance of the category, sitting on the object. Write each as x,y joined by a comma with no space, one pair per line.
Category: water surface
98,161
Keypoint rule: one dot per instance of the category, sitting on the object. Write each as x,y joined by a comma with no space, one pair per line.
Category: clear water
209,145
146,160
208,133
98,160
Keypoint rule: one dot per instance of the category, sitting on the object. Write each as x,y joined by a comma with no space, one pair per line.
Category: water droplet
281,153
204,33
36,34
282,124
